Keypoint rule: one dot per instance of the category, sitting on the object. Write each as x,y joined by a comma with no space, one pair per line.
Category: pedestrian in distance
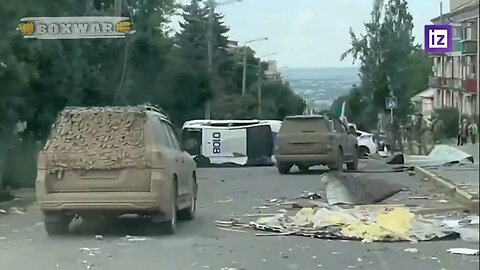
459,135
438,128
465,131
420,127
473,129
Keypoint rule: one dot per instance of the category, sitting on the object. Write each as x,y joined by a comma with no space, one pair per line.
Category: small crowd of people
465,130
421,135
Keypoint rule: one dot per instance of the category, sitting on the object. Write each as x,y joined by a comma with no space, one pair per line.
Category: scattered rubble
376,224
463,251
130,238
13,211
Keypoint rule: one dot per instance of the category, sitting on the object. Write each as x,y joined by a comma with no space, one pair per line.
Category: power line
125,56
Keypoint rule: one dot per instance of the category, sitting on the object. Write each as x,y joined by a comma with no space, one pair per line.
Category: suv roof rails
154,109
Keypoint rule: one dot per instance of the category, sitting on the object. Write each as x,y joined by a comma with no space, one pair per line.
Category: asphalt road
24,244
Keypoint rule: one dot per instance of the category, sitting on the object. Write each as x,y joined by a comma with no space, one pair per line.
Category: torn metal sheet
440,155
355,190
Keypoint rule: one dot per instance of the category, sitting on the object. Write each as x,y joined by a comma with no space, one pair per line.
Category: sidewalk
461,180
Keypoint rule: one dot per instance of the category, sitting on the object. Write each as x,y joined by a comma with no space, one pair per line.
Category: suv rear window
304,125
97,138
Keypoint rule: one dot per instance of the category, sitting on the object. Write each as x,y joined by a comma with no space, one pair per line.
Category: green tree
388,56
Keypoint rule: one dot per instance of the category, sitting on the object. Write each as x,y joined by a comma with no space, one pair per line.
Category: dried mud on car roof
97,138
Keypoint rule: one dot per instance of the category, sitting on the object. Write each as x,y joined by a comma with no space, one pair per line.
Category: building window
457,32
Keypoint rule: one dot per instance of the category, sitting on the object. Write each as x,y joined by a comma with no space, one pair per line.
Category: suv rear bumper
318,159
120,201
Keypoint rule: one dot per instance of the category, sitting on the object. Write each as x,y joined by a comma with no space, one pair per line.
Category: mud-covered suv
111,161
308,140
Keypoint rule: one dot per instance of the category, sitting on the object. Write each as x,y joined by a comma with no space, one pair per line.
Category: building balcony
450,83
470,85
469,46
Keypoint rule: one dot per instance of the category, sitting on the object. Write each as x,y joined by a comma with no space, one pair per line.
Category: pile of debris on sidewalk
350,211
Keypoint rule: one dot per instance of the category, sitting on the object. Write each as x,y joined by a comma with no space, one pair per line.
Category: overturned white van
230,142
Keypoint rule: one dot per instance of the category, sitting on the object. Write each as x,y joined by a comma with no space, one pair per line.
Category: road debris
310,196
99,237
231,230
357,189
389,224
2,211
225,201
463,251
90,251
412,250
135,238
440,155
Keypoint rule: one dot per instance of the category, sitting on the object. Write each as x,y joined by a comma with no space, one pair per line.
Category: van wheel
56,223
303,168
363,152
171,225
338,166
353,166
283,168
189,212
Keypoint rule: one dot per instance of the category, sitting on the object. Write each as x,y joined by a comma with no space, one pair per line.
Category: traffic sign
391,103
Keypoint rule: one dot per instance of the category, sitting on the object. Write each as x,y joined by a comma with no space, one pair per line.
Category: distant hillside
348,73
320,86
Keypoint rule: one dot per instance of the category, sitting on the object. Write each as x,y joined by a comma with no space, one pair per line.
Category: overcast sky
310,33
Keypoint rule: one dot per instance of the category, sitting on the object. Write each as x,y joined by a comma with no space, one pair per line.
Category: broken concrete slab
357,189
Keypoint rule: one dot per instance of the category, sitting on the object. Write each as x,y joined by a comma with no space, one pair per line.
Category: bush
449,117
21,164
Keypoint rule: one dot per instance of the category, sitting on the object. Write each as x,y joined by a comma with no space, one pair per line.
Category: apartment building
272,72
454,82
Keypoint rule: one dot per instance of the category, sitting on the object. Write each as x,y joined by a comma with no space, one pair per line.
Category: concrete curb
459,193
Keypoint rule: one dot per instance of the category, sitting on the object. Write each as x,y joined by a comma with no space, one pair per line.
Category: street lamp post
211,11
259,92
118,8
244,77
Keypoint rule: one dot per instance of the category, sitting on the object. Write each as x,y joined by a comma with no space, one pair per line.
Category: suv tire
353,166
56,223
189,212
283,168
170,226
338,165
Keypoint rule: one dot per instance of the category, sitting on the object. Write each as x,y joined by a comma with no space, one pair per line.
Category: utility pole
211,6
259,92
118,8
244,75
